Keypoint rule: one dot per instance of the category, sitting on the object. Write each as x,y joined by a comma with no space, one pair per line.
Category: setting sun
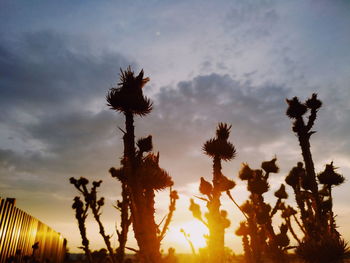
195,231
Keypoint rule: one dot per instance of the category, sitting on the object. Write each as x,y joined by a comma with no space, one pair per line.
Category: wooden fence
20,231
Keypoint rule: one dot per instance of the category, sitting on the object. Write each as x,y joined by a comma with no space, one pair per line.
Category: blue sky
233,61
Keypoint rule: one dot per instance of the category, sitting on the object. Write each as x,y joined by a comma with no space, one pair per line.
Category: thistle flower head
223,131
128,97
245,173
195,209
258,184
313,102
82,181
174,195
152,176
281,192
145,144
295,108
263,213
270,166
101,202
242,230
97,183
224,220
72,180
330,177
295,174
205,187
247,207
118,173
225,184
220,148
282,239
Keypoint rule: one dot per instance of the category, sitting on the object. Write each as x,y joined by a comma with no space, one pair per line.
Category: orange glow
196,231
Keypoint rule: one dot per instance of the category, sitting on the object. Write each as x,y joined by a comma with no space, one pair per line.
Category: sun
195,230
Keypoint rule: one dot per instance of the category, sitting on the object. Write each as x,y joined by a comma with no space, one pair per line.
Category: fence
20,231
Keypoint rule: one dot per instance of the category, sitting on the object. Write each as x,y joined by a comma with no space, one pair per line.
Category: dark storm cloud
49,70
49,85
255,112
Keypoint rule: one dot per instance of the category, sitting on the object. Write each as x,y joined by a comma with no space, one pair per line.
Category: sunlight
196,231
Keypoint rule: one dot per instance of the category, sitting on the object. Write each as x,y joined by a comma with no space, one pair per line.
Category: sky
225,61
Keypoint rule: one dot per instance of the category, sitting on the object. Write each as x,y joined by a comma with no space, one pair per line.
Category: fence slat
19,231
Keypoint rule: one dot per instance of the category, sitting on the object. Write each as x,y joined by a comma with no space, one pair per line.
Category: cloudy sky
225,61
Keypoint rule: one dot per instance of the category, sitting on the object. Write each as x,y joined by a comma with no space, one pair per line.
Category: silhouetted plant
81,209
218,148
123,207
189,241
258,235
321,242
95,205
140,170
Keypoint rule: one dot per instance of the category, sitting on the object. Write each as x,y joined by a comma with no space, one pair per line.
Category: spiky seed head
330,177
258,185
77,203
245,173
223,131
242,230
295,108
313,102
219,148
101,202
83,181
128,97
270,166
263,214
72,180
118,173
298,125
281,192
225,184
174,195
145,144
225,222
97,183
247,207
195,209
282,239
295,174
205,187
151,175
306,182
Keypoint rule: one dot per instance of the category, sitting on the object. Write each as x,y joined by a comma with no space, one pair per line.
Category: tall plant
219,149
322,242
260,240
95,204
140,171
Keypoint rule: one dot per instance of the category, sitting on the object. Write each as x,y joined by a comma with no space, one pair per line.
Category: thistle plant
95,204
321,242
140,171
258,235
219,149
81,209
125,221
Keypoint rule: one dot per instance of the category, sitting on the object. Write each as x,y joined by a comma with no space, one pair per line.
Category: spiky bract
128,97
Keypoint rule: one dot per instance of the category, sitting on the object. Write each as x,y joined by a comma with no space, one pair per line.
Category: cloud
55,122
